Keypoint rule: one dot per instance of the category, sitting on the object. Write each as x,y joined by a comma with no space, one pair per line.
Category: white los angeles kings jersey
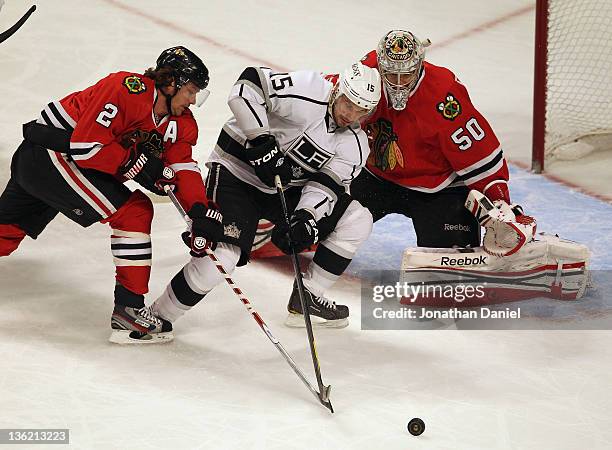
293,108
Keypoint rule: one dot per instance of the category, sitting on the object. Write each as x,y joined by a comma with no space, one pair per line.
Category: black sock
125,297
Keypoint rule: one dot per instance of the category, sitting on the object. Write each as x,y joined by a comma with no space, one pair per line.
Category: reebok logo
456,227
464,261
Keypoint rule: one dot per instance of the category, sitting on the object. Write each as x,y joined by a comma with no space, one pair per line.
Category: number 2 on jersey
473,129
107,114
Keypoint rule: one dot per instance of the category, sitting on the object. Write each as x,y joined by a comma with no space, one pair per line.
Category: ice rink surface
221,384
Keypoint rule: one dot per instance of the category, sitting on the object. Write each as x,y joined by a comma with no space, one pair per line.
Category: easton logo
265,158
465,261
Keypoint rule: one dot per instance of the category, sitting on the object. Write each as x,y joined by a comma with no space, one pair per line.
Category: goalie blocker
547,267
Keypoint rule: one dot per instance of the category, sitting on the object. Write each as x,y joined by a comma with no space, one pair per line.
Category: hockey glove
507,228
266,158
304,232
143,163
149,142
206,229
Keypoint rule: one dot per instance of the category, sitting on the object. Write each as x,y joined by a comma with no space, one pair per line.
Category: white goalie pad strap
505,232
546,267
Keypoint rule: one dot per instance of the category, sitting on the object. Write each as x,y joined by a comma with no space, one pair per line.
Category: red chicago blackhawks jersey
438,140
102,114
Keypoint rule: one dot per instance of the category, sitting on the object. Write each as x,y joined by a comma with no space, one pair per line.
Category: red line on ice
483,26
201,37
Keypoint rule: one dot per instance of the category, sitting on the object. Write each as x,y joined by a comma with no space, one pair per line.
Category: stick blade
324,397
329,406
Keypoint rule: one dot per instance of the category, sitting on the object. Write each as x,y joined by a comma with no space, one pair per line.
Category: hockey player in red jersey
429,146
76,156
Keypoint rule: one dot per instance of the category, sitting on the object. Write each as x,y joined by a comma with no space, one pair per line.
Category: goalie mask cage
572,108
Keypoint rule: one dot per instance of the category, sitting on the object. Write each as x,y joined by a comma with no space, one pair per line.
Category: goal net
573,79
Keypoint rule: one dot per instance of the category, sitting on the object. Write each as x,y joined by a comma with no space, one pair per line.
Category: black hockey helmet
187,66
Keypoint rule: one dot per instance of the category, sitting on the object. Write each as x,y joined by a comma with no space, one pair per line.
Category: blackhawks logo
179,51
399,48
134,84
450,108
386,153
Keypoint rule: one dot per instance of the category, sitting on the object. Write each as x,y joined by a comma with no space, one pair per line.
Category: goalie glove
507,228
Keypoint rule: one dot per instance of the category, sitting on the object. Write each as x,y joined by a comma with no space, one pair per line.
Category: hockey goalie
512,264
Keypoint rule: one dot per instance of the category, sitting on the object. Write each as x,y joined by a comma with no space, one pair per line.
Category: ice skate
324,313
139,326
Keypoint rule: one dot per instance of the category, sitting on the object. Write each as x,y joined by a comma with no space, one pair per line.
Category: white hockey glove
507,228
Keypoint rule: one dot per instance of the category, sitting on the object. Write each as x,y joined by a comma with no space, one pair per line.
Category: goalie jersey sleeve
470,144
293,107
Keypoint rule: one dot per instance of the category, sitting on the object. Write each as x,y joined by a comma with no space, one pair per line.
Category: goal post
539,83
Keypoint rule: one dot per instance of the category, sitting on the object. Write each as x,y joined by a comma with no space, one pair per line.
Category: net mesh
579,77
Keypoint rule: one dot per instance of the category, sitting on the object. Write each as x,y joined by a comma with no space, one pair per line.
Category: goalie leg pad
548,267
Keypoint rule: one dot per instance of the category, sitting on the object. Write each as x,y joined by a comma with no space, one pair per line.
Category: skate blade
123,337
297,321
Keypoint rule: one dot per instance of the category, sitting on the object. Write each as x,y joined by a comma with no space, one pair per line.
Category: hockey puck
416,426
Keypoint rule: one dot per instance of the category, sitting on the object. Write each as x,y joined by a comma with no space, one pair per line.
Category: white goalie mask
361,85
400,58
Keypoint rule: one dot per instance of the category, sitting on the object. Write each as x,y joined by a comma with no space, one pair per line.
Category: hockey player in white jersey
304,128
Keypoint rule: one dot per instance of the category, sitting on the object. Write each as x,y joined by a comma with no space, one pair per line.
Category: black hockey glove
143,164
149,142
206,229
267,160
304,232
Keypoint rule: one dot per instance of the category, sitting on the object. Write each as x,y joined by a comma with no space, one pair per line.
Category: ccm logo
465,261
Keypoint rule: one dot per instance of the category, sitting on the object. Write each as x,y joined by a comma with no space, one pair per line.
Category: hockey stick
323,390
8,33
248,304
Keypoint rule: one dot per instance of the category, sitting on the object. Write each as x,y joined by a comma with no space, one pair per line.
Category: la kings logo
297,172
308,155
